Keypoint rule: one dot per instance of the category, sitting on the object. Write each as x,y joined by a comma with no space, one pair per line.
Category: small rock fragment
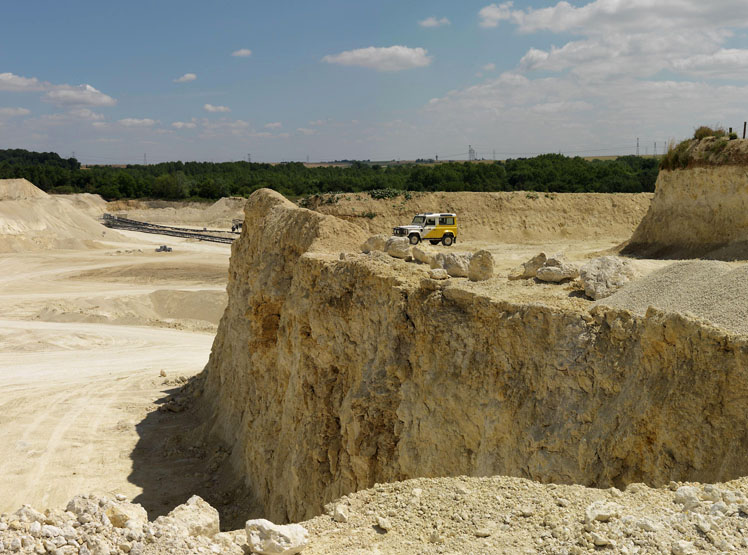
340,513
528,269
384,523
267,538
438,273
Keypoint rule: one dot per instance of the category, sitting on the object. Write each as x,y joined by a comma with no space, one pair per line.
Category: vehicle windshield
418,220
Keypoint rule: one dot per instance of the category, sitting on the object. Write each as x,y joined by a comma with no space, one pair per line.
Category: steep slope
696,212
328,375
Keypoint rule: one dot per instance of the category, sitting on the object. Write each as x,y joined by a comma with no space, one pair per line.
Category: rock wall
329,375
696,212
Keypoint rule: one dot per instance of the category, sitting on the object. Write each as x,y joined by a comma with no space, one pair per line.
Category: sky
328,80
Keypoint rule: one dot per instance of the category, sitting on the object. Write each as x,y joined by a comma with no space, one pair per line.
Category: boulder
603,276
267,538
374,243
119,513
196,516
457,264
397,247
423,254
556,269
438,273
481,266
530,268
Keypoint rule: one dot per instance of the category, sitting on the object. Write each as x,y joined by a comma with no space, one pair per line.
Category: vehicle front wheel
414,239
447,240
434,241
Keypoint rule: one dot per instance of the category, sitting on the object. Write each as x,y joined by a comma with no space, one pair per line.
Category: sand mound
30,219
19,189
502,217
710,290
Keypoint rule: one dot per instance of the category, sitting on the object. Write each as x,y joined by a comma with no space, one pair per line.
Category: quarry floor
82,353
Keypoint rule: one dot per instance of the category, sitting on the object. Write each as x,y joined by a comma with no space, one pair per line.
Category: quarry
570,377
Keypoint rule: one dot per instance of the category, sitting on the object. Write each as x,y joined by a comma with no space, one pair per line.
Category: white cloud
211,108
186,78
12,82
136,122
491,15
305,131
242,53
85,113
184,125
318,122
489,67
391,58
273,125
82,95
434,22
14,112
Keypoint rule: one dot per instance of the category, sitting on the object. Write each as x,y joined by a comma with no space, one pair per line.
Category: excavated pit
329,375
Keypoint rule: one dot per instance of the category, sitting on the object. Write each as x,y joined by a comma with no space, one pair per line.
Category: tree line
208,180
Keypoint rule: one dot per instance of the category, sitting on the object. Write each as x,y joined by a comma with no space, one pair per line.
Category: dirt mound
191,310
710,290
30,219
501,217
19,189
700,212
93,205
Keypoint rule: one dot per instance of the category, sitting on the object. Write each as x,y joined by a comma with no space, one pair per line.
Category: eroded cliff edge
700,211
329,375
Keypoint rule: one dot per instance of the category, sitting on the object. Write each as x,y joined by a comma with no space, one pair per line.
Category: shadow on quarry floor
170,465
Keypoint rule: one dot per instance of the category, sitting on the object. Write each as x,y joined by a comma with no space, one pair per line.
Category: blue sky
367,80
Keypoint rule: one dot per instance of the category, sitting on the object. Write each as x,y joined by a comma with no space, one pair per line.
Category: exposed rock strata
696,212
330,375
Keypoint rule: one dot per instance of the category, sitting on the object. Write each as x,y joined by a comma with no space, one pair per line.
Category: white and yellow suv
433,227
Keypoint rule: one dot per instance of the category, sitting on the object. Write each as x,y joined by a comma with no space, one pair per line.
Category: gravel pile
513,515
711,290
427,515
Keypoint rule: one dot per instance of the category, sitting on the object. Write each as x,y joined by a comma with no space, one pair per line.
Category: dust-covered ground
90,340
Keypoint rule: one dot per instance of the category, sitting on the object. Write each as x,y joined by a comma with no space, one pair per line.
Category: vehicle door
429,229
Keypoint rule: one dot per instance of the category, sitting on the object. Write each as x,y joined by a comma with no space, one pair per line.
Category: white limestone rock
603,276
481,266
374,243
457,264
602,511
438,273
556,270
267,538
423,254
397,247
196,516
530,268
688,496
119,513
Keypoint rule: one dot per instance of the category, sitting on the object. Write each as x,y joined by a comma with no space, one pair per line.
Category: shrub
370,215
704,131
677,156
733,136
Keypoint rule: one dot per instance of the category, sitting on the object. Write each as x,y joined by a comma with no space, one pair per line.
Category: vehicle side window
431,221
446,221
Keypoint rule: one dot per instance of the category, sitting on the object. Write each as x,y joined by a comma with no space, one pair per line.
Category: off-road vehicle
433,227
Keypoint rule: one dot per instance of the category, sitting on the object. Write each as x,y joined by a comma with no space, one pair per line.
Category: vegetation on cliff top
708,147
205,180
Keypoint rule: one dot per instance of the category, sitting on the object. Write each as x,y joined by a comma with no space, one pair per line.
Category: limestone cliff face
330,375
702,211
